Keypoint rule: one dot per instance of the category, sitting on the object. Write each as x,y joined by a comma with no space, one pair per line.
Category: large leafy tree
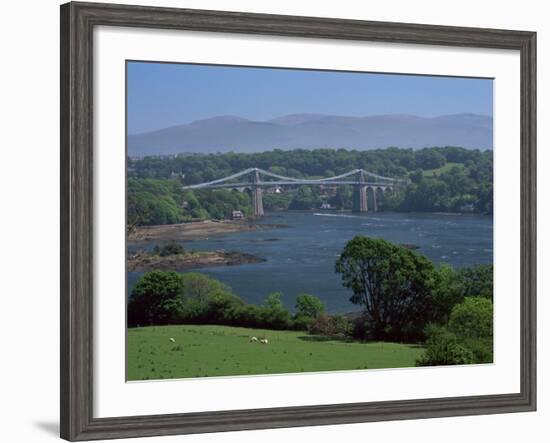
392,283
205,299
453,286
157,298
448,291
309,306
308,309
478,281
274,312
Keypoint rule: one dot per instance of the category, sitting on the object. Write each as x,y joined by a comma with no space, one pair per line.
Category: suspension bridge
256,179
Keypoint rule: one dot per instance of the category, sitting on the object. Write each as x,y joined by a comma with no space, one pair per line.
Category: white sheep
172,340
264,341
252,339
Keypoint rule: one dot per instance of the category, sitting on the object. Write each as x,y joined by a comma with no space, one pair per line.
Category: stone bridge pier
257,202
360,194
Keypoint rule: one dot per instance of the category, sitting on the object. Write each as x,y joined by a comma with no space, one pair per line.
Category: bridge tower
360,194
257,202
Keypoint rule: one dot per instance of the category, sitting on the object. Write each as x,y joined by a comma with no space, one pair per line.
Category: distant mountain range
308,131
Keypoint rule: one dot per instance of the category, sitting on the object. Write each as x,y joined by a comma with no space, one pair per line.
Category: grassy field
444,168
207,351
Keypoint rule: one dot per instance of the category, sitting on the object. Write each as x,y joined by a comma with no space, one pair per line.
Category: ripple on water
303,258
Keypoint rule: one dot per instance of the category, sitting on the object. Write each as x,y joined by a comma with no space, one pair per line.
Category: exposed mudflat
200,230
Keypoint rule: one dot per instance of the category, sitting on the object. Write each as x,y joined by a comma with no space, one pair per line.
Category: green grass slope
207,351
445,168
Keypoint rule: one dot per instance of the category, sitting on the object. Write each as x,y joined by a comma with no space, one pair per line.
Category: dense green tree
416,176
274,312
153,202
392,283
193,207
453,286
472,323
429,159
198,289
304,198
205,299
448,290
343,199
280,201
309,306
157,298
221,203
477,281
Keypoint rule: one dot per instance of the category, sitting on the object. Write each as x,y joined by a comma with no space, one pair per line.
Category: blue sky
167,94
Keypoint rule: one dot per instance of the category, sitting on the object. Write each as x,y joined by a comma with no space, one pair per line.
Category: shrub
247,315
171,248
473,318
166,297
468,337
472,323
443,348
321,326
253,316
340,325
302,322
330,325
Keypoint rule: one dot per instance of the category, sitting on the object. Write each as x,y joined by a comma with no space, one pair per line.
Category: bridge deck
288,183
252,175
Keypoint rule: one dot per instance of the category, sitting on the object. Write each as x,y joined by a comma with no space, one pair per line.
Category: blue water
301,256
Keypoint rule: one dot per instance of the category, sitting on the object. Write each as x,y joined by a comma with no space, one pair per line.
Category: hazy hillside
229,133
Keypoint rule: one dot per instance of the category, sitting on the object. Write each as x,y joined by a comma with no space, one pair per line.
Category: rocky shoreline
146,261
196,230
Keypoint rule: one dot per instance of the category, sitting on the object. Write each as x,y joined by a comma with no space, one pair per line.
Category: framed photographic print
273,221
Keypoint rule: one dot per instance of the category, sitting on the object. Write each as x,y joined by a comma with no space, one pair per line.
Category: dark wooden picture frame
77,23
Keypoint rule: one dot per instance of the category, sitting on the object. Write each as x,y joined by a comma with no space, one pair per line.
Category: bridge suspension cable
327,180
381,177
220,180
272,174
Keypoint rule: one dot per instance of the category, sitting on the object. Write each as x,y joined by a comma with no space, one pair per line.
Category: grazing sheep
264,341
172,340
253,339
